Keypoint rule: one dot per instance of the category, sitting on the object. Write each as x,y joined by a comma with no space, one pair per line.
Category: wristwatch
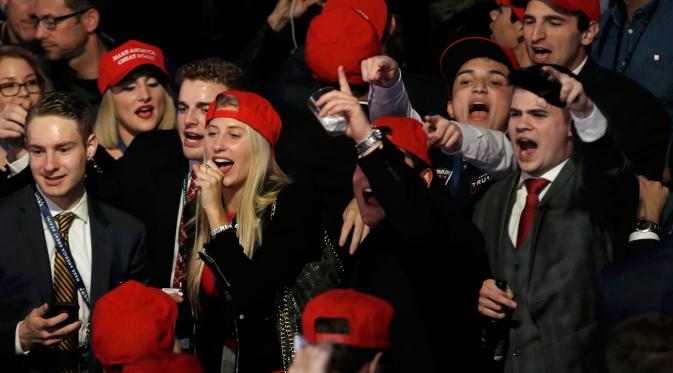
646,225
367,143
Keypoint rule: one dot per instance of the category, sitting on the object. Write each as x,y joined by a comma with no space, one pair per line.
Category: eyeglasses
50,23
11,89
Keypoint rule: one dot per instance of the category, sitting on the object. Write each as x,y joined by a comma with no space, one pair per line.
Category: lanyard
62,247
185,189
121,145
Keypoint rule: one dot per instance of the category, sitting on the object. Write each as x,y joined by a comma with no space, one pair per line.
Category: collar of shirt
579,68
550,175
619,15
81,209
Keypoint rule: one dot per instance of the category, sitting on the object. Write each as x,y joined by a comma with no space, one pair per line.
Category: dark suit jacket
579,222
25,271
423,253
150,177
640,123
640,282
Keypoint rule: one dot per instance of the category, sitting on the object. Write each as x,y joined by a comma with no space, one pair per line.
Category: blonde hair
265,180
105,126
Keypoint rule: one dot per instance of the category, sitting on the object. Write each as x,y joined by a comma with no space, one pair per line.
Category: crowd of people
203,218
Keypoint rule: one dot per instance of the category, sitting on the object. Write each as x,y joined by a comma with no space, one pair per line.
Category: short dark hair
641,344
215,70
80,5
345,358
59,104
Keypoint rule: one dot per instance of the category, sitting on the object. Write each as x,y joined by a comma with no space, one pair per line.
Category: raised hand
381,71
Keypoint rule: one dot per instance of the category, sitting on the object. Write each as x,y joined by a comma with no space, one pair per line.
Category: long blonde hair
265,180
105,126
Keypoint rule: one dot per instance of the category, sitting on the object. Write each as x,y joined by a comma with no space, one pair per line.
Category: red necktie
534,186
180,261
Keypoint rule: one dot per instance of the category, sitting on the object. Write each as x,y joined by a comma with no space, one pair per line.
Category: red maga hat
367,316
253,110
590,8
517,10
132,322
465,49
117,63
342,36
407,134
375,10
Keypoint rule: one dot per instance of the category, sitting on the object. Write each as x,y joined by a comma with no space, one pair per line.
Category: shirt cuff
591,128
17,342
18,165
643,236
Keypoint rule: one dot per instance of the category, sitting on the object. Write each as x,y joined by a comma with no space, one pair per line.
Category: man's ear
449,109
91,20
590,33
91,146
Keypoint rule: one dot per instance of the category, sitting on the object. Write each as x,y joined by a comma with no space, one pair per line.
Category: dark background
201,28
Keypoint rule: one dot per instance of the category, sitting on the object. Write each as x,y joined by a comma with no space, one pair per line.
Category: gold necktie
65,291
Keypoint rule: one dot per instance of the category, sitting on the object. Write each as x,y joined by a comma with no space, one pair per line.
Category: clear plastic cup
335,124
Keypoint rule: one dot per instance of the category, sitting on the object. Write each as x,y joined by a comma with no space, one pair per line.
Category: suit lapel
31,228
555,188
101,251
509,187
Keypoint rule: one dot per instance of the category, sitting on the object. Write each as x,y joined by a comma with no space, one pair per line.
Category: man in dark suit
550,227
559,32
641,281
154,174
59,245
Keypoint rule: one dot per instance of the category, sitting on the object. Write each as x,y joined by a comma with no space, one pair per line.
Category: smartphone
72,309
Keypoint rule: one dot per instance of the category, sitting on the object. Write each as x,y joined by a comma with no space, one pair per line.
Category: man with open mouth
475,72
550,227
561,32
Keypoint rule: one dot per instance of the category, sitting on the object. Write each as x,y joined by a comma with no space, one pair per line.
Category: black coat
149,181
639,122
424,253
640,282
289,240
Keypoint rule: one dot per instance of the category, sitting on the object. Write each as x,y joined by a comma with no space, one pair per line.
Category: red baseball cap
165,362
368,318
407,134
131,322
518,11
465,49
590,8
117,63
253,110
341,36
375,10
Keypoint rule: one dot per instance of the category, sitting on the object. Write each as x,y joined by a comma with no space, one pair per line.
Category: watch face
644,225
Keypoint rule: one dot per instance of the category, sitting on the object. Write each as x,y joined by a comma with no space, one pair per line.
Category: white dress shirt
79,238
522,193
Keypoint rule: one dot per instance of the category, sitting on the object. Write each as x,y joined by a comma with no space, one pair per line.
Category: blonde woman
132,79
258,228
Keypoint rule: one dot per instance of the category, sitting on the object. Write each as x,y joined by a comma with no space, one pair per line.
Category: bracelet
367,143
217,230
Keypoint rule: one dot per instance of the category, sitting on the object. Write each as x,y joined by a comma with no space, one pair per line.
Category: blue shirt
649,40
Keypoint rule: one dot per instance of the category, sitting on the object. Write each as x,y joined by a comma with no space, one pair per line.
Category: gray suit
585,211
25,271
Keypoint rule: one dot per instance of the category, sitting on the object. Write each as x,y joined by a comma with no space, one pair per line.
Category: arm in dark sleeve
291,239
264,54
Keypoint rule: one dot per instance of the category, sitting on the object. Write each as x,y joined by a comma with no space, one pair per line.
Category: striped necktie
65,291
